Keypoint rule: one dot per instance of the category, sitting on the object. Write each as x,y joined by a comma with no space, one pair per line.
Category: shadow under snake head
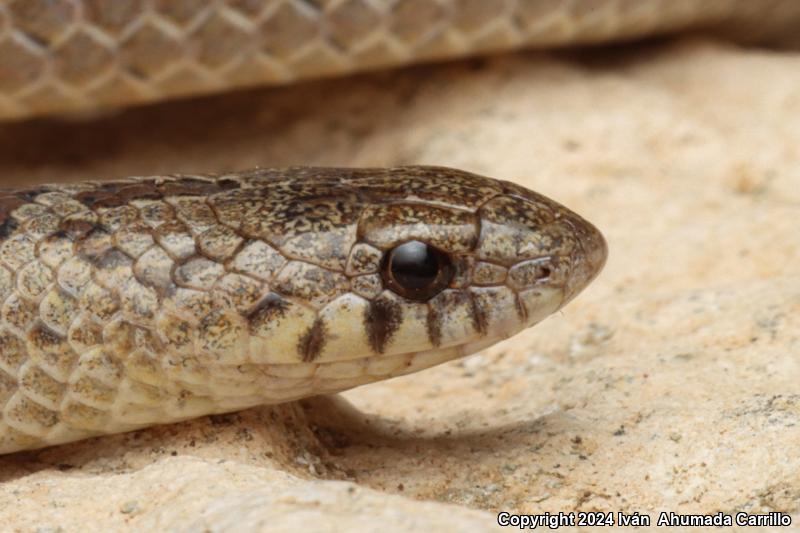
151,300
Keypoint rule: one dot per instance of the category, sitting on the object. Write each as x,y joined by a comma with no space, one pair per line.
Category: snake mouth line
377,366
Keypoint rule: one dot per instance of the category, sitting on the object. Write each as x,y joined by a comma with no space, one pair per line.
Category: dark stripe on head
382,319
312,341
434,326
479,320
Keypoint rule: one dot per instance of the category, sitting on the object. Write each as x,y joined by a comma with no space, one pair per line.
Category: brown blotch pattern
479,319
434,326
382,320
312,342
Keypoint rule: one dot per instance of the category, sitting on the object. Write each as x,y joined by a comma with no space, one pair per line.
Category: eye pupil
417,270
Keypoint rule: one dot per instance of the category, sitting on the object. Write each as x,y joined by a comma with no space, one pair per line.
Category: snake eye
416,270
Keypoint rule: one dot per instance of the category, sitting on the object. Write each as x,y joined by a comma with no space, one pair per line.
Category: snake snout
588,258
551,252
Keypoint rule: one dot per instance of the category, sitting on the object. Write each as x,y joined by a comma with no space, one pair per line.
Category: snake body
71,55
152,300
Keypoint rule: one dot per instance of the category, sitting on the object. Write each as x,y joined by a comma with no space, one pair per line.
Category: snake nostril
544,273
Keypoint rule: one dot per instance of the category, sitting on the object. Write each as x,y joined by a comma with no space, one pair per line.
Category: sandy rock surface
671,384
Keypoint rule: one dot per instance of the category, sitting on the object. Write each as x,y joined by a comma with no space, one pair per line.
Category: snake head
471,260
373,273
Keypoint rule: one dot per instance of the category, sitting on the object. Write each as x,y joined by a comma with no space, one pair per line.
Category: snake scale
143,301
71,55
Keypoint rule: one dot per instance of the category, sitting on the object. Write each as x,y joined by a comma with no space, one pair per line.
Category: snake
74,56
150,300
136,302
